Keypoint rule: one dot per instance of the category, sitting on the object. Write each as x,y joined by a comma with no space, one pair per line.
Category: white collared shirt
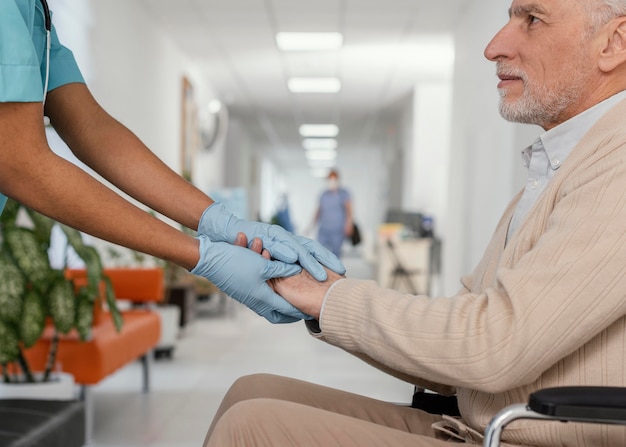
546,155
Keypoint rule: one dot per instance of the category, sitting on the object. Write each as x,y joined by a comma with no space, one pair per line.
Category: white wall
135,72
426,166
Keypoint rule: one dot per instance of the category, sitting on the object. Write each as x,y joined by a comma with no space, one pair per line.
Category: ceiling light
309,41
214,106
320,172
319,130
321,155
314,85
319,143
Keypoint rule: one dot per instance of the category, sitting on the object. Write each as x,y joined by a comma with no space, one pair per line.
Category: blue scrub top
332,211
23,55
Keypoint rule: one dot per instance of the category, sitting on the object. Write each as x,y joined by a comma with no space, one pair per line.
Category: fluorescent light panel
319,143
319,130
309,41
214,106
314,85
323,155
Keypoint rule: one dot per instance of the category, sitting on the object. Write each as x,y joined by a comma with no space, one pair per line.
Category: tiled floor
210,355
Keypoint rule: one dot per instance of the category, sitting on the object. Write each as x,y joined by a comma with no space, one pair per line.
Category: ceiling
388,46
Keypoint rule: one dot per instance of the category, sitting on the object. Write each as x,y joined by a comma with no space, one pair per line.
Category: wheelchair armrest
584,403
597,404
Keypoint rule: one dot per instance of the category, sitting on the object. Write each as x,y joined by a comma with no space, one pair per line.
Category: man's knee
246,422
251,386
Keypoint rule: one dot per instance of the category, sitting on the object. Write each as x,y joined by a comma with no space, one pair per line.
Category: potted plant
171,307
33,294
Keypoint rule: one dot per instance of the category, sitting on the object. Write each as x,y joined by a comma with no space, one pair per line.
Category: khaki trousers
263,410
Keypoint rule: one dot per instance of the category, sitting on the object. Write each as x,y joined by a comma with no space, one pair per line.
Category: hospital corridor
165,164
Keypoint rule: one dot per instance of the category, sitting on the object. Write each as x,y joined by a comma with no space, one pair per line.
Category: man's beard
539,104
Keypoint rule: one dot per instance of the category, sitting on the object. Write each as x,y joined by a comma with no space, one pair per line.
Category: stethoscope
48,25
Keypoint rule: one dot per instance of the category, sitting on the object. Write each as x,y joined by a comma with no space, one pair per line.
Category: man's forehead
525,7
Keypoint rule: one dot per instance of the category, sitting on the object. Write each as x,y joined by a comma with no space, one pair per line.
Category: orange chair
108,350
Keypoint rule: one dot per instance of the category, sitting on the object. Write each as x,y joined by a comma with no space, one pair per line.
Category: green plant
32,293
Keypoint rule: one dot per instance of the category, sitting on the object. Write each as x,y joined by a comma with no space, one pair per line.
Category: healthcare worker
39,76
334,215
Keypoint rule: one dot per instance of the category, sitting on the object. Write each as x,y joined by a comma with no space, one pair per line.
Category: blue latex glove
219,224
242,274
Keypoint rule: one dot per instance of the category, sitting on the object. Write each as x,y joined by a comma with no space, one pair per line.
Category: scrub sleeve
23,58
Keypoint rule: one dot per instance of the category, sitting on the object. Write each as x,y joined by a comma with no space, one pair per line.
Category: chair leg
86,394
398,275
146,361
409,283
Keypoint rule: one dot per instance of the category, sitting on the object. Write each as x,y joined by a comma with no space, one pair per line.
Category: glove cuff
205,247
214,222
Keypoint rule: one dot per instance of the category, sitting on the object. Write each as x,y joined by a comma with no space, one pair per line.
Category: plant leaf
30,256
109,293
95,273
89,255
9,214
9,343
33,318
42,226
62,305
84,314
94,267
12,288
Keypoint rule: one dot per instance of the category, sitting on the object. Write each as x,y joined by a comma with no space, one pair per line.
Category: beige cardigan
546,310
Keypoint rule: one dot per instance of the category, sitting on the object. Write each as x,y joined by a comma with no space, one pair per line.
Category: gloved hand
242,274
219,224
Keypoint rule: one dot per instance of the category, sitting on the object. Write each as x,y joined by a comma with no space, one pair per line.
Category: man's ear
614,52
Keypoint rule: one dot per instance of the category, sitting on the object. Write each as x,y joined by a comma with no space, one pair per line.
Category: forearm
98,211
32,174
128,163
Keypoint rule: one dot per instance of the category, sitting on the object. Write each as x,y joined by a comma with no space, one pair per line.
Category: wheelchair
588,404
600,405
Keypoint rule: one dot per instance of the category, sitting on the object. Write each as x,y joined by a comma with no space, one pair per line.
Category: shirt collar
559,141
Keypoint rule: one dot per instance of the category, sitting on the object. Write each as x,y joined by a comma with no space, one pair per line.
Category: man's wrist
323,305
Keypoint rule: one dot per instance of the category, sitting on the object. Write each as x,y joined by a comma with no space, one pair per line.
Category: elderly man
545,306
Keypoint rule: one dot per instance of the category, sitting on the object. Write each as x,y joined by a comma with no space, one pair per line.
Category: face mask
333,183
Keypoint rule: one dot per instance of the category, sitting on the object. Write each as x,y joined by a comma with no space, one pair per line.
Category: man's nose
500,45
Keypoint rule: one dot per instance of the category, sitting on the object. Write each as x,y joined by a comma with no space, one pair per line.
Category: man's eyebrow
524,10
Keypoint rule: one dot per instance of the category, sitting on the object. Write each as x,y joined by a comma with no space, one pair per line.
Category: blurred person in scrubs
334,215
39,76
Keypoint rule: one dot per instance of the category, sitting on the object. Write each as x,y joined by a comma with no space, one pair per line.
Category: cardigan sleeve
558,284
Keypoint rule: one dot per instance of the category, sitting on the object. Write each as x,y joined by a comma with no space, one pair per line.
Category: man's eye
532,19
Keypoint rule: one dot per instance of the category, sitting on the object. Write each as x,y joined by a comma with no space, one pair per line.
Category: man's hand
301,290
305,292
243,275
221,225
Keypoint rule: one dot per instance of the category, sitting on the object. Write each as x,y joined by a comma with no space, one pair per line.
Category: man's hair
602,11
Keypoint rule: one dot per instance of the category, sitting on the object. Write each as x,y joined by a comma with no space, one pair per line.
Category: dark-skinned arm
32,174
